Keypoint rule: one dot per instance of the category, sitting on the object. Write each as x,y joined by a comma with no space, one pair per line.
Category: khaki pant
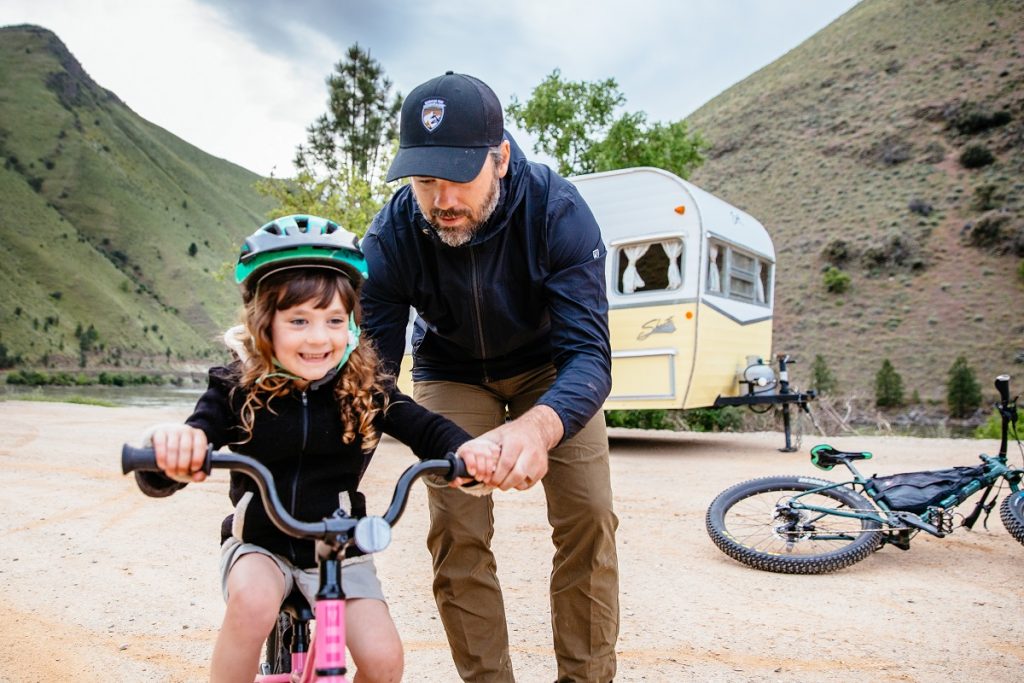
584,573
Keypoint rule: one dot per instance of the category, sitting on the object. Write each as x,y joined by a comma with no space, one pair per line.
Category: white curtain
673,248
714,277
631,279
759,284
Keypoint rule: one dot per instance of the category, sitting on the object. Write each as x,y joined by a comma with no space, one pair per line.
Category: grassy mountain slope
99,212
848,148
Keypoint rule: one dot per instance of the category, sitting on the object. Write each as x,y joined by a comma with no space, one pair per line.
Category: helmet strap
353,339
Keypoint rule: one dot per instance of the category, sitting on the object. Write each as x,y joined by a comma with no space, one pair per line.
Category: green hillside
849,149
107,220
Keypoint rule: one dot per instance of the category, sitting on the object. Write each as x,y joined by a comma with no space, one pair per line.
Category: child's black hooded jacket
298,437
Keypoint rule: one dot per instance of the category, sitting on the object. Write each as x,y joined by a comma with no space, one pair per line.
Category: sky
242,79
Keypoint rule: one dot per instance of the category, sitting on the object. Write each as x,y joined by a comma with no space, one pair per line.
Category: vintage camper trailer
690,281
690,288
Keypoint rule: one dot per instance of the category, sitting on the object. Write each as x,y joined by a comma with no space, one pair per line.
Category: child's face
309,341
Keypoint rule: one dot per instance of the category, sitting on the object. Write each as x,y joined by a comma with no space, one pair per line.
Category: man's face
457,210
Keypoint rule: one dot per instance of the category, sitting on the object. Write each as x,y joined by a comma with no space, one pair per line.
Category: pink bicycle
288,646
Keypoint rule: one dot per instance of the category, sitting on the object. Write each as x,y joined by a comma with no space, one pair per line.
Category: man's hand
525,443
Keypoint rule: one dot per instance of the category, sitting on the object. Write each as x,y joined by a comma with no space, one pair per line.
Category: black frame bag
917,491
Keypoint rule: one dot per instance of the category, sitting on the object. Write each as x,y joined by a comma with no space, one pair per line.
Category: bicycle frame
996,468
325,662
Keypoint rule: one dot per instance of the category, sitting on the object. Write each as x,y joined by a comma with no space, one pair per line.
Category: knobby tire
745,522
1012,514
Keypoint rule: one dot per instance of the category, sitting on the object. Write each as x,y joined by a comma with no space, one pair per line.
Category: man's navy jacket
527,290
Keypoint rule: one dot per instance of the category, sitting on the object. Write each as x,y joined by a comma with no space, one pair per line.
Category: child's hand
481,458
180,451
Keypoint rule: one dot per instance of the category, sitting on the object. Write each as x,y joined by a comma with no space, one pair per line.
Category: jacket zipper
298,468
479,316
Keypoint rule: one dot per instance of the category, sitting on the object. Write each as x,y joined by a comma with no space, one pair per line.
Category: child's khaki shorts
358,575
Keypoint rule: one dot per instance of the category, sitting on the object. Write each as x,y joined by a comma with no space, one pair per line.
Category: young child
305,398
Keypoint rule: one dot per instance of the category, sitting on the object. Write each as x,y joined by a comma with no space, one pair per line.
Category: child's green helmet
299,241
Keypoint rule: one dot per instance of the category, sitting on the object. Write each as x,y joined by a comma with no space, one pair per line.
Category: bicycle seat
825,457
297,606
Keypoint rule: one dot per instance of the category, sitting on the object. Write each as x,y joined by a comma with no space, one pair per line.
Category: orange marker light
680,210
689,315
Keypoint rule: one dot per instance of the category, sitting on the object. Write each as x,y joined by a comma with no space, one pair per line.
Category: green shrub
976,119
991,429
963,393
638,419
920,207
837,251
976,156
986,197
888,386
727,419
996,231
7,360
836,281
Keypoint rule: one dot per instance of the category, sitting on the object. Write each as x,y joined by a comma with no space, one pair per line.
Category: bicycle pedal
942,517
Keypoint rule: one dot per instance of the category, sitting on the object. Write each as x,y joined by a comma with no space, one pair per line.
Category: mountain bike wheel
278,656
1012,514
753,523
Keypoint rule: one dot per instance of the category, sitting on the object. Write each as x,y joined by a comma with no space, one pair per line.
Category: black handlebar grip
144,460
1003,387
458,470
137,459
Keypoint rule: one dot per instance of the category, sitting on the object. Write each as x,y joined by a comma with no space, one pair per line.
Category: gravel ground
99,582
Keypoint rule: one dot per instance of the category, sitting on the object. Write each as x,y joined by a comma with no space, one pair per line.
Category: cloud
242,79
185,67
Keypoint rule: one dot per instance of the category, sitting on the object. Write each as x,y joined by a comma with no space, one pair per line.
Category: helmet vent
303,224
273,229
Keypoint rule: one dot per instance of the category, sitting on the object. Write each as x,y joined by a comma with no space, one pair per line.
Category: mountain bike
807,525
288,647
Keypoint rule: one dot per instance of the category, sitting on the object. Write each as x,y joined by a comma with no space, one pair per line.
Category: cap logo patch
432,114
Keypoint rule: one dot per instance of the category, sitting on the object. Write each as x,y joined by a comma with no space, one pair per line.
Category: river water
142,395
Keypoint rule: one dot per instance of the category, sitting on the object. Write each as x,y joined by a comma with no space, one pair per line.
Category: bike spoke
765,523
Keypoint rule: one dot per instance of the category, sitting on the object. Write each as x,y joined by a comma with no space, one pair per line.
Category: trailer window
737,274
649,266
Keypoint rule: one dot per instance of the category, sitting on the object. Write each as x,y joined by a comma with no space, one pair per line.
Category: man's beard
458,236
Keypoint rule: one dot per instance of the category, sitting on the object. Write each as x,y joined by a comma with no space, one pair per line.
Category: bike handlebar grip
458,470
137,459
1003,386
144,460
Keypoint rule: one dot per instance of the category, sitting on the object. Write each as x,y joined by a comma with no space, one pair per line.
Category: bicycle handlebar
369,531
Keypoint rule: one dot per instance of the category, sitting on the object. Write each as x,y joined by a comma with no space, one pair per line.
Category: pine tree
339,172
822,379
963,394
888,386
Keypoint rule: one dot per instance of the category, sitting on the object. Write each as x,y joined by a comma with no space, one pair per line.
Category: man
504,264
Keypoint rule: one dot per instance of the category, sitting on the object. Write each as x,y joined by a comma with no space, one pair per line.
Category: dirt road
98,582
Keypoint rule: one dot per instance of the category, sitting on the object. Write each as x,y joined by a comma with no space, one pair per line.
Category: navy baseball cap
447,126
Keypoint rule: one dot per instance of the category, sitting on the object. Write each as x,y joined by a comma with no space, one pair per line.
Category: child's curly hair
360,389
